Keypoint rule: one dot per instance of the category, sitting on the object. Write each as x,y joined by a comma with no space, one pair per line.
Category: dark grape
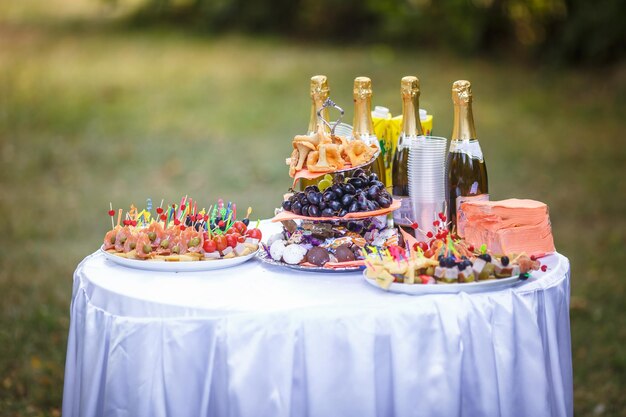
384,200
363,204
349,189
342,212
328,212
246,221
373,191
354,207
379,184
358,172
314,197
329,196
335,205
339,179
358,183
314,211
373,177
287,205
293,197
372,205
302,198
311,188
322,205
346,200
337,189
296,207
305,209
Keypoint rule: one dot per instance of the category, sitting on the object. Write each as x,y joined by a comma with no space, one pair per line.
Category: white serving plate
161,266
470,287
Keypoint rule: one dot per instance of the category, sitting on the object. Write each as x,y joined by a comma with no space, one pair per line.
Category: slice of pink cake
507,226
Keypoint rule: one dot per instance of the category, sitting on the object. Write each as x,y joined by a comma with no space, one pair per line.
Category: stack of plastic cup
427,181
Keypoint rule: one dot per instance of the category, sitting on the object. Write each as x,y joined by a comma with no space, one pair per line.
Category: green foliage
566,31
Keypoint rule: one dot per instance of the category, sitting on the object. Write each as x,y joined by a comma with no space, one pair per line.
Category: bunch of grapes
359,193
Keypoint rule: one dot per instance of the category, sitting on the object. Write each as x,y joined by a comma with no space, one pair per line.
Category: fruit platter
180,237
329,226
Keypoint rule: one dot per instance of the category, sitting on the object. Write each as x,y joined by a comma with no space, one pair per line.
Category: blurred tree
565,31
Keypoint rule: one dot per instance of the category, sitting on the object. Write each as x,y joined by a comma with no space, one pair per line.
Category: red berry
470,248
544,268
429,235
414,226
182,207
163,217
533,258
176,222
221,223
443,218
111,213
159,210
182,227
415,246
423,246
436,223
206,217
134,223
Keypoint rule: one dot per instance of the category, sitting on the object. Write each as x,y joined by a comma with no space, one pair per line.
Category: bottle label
403,216
461,220
469,147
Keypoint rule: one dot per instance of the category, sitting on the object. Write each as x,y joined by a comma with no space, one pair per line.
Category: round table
260,340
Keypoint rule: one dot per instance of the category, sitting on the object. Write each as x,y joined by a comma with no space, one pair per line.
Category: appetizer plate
263,256
162,266
470,287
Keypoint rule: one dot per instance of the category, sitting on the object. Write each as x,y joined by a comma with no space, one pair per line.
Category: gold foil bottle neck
462,92
362,88
410,87
319,86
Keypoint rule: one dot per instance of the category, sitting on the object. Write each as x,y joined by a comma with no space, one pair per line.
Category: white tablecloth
258,340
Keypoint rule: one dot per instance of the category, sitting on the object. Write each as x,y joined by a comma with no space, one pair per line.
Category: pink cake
507,226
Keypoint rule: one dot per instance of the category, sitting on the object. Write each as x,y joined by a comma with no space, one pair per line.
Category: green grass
92,113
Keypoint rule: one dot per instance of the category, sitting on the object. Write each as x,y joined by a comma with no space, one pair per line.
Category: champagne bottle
362,126
319,93
467,172
411,128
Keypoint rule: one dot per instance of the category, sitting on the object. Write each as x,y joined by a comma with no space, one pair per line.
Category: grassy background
92,112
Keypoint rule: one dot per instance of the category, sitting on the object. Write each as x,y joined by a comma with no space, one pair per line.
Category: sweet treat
329,243
317,256
181,233
294,254
507,226
343,253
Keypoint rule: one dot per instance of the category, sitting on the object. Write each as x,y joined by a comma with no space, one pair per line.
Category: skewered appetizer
410,267
181,233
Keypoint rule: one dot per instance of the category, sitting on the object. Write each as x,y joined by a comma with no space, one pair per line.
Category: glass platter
264,257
